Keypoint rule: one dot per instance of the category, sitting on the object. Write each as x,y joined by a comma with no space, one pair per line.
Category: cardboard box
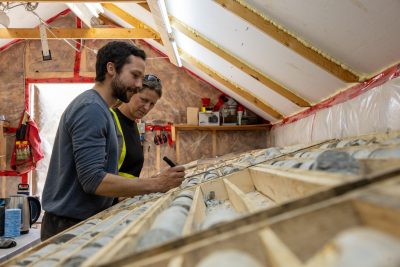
192,116
209,118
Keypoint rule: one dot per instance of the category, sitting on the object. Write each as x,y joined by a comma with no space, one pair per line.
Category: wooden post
214,143
3,155
177,147
158,155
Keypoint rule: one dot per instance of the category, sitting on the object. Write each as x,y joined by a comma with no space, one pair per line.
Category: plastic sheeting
376,110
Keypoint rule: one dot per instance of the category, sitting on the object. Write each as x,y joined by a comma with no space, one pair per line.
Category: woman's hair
152,82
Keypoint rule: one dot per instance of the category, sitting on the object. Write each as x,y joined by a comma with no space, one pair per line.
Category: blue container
12,223
2,208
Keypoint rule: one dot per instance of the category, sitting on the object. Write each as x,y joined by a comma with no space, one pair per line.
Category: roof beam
145,6
196,36
64,33
233,87
285,38
129,18
166,37
107,21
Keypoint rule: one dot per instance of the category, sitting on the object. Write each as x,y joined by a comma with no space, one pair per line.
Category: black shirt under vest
133,162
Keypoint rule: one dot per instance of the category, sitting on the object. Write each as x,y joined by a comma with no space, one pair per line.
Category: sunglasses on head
150,78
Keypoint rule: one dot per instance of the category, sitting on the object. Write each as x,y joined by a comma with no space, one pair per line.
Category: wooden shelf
184,127
256,127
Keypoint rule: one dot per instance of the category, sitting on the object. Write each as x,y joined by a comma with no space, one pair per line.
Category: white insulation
374,111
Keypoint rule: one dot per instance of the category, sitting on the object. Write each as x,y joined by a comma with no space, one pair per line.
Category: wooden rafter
196,36
92,33
107,21
111,22
289,40
145,6
233,87
167,38
128,17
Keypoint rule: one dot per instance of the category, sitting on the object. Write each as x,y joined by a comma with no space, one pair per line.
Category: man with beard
82,178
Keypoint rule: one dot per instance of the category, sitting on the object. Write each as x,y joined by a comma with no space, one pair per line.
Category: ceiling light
4,19
164,15
176,53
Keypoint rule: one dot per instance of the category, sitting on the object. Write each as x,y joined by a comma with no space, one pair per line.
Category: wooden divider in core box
303,237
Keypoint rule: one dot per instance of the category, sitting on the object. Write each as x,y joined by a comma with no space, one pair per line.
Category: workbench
24,242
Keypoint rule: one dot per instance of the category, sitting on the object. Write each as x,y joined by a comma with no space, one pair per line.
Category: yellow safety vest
123,150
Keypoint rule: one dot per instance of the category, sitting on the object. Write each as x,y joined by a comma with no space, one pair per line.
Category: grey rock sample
272,152
188,182
330,145
77,259
336,161
299,154
77,231
382,153
217,216
231,258
365,247
46,263
355,142
392,141
277,163
106,223
169,223
210,175
307,165
50,248
229,169
361,154
291,163
133,200
311,154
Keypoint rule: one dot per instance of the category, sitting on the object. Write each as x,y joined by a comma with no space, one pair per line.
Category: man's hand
117,186
170,178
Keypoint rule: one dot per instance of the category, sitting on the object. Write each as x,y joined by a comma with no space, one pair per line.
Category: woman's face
142,102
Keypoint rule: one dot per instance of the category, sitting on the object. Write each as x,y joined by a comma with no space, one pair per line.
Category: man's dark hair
118,53
152,82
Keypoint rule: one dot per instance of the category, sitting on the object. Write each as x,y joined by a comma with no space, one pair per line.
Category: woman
131,159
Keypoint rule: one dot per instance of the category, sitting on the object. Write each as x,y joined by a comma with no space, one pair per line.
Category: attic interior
283,114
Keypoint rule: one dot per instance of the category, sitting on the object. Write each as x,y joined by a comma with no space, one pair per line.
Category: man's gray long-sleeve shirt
85,149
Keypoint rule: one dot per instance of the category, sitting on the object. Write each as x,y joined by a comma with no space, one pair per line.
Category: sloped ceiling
275,57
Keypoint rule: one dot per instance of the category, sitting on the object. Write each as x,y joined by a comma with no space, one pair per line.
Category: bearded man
82,178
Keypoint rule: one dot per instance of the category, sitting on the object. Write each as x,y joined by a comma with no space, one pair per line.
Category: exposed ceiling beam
64,33
233,87
196,36
166,37
289,40
145,6
129,18
107,21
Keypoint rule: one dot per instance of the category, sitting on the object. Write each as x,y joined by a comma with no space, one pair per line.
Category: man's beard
120,91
